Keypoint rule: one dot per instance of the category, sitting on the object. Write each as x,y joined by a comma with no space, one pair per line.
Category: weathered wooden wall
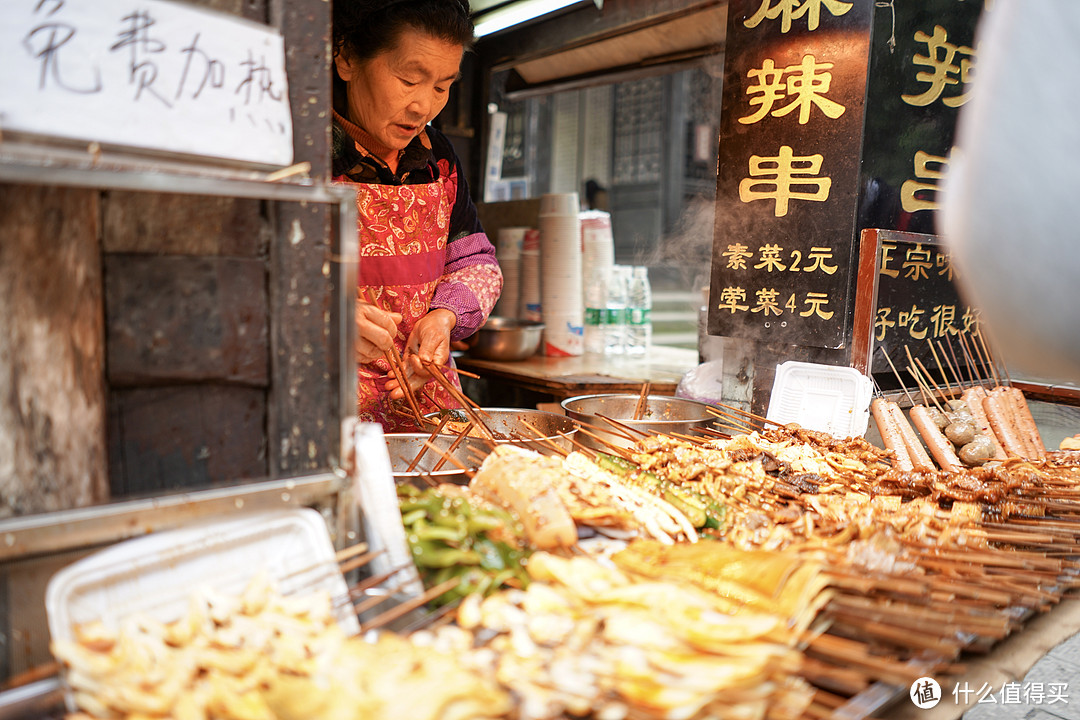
52,352
154,341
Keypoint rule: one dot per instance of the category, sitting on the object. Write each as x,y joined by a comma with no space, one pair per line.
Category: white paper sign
145,73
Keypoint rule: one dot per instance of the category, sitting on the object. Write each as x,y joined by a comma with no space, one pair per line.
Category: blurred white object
704,383
639,312
156,574
1009,212
561,297
376,494
828,398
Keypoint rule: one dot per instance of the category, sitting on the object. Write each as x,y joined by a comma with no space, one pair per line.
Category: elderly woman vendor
428,274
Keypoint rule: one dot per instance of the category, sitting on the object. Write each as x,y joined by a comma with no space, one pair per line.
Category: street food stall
197,526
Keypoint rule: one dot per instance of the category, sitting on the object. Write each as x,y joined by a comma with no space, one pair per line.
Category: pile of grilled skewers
772,573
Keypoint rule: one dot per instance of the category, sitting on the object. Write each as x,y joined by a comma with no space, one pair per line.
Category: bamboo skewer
948,364
544,440
991,361
619,451
985,360
350,552
431,437
363,586
616,423
899,380
453,446
969,357
397,367
642,402
364,605
607,430
941,369
763,421
409,605
361,561
734,422
453,460
927,378
471,409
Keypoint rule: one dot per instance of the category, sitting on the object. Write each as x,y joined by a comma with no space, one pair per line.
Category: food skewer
949,364
351,552
615,449
642,402
984,359
453,460
409,605
618,424
968,357
941,369
922,378
732,421
899,380
434,433
713,432
544,440
361,561
358,590
470,408
935,390
607,430
362,606
890,434
920,459
762,421
464,373
453,446
397,367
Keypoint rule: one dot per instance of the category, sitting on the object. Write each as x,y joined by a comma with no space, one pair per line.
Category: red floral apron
403,234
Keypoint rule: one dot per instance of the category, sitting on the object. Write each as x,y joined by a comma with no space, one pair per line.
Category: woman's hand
375,331
429,341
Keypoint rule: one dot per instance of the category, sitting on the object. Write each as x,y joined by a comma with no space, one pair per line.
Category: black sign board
909,313
788,175
922,66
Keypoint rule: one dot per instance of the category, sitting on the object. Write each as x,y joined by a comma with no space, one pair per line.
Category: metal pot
404,447
663,414
507,339
510,423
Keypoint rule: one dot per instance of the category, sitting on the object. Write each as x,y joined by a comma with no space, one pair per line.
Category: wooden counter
565,377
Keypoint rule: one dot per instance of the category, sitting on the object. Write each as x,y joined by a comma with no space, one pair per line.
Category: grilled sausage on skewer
919,459
890,434
936,442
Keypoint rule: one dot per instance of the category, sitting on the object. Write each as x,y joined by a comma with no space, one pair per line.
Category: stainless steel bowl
662,414
509,423
404,447
507,339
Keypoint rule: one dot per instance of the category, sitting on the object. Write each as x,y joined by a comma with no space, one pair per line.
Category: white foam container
827,398
156,575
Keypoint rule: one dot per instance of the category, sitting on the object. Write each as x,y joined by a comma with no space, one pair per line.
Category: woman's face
395,94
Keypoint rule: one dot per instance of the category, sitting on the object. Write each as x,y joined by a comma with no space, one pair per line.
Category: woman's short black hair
365,28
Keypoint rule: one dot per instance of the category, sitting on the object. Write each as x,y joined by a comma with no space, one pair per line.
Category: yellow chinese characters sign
788,174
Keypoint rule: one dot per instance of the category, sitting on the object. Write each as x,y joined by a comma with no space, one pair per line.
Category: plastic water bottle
639,305
596,315
615,317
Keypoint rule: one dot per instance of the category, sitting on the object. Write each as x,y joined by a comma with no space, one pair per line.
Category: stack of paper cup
529,300
560,270
598,258
508,248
